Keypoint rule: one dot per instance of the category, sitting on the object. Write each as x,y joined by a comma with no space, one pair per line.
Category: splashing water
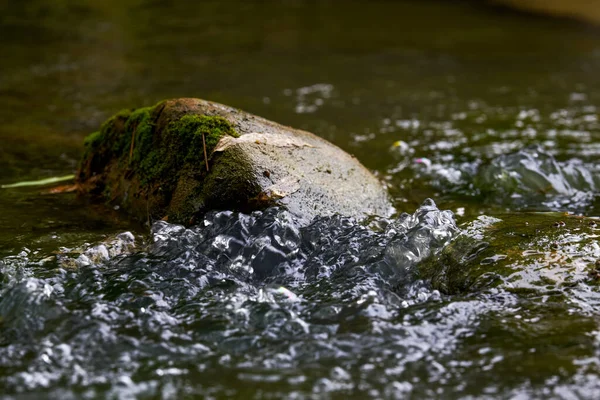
533,172
527,179
255,305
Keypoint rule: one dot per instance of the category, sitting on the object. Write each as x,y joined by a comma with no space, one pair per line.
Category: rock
151,162
538,252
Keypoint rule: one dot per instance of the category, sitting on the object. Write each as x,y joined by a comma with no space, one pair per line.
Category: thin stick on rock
204,146
132,144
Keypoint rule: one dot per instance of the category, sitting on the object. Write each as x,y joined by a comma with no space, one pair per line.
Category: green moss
108,133
140,127
93,139
108,128
225,187
228,183
182,144
91,143
98,150
154,156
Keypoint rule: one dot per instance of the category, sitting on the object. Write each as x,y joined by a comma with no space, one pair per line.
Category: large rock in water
151,162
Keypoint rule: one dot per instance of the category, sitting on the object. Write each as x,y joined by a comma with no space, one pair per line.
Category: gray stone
151,163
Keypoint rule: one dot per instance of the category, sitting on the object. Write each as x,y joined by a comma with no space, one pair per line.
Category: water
256,305
491,292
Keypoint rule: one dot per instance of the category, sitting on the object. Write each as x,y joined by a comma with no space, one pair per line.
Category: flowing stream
482,122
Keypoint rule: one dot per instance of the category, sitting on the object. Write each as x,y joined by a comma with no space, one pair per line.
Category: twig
148,210
131,147
205,157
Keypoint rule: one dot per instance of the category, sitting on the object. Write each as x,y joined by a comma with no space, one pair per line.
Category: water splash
534,172
331,309
527,179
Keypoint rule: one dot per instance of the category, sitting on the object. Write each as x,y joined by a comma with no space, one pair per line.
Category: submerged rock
184,157
541,253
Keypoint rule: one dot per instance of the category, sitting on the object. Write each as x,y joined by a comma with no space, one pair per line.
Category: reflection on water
440,99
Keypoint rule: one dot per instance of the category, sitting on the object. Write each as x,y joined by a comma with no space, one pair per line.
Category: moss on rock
186,138
128,144
152,162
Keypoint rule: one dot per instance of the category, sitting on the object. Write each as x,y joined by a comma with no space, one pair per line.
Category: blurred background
450,83
585,10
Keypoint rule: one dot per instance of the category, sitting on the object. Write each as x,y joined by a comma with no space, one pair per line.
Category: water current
490,290
256,305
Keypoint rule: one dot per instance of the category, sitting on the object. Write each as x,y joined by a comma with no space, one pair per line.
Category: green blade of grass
41,182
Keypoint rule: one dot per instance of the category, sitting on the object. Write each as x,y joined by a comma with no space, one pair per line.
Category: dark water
492,114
